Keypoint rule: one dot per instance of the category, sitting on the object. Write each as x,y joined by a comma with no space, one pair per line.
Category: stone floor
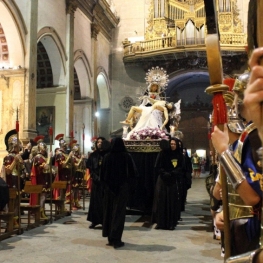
70,239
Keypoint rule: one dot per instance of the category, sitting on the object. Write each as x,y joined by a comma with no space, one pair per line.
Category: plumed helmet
74,146
60,138
42,147
11,140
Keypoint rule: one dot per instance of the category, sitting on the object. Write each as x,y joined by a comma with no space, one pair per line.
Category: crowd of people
36,164
114,173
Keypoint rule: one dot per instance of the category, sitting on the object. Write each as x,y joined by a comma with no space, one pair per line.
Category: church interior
80,67
84,69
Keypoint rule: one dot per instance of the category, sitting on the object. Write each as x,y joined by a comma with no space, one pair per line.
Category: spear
18,176
83,190
50,132
216,89
71,173
83,137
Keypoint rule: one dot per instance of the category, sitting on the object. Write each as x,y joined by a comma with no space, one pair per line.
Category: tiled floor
70,239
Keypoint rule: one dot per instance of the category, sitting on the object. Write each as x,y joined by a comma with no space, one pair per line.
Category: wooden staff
18,177
83,137
83,189
216,89
71,173
50,132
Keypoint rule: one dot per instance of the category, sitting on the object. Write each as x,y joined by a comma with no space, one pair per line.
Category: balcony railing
236,41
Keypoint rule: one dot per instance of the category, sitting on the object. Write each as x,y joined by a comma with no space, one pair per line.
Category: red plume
219,109
230,83
50,131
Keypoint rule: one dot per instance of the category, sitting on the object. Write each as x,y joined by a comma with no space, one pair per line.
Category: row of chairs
7,217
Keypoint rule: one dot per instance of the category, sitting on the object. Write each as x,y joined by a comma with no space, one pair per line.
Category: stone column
29,108
71,6
94,33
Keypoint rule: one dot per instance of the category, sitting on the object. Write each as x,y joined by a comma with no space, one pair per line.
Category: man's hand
220,139
219,221
253,96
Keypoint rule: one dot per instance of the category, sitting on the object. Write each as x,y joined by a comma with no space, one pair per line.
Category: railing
165,43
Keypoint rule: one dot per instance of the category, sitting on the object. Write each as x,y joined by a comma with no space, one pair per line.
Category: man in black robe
167,202
95,214
117,174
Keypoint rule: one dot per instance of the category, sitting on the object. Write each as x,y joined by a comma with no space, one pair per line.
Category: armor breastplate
40,161
242,137
76,159
8,160
237,208
62,158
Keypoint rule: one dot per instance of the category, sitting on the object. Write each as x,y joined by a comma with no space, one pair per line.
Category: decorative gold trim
143,146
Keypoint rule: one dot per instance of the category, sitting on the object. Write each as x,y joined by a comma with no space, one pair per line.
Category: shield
174,162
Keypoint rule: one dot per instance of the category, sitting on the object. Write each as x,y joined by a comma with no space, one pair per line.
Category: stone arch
56,52
103,88
196,106
83,71
189,83
15,33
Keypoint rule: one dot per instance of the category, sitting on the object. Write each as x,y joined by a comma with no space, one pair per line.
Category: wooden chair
8,216
32,209
59,203
84,192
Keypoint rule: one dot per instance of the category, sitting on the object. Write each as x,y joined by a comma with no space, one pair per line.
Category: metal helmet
11,141
62,142
234,122
241,84
41,146
74,146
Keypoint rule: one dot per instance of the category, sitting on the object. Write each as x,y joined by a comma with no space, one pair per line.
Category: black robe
186,180
118,170
168,193
95,214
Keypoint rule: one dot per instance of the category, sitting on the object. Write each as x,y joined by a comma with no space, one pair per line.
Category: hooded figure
118,170
170,168
95,214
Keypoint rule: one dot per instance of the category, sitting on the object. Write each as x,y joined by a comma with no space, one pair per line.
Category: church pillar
71,6
29,109
94,33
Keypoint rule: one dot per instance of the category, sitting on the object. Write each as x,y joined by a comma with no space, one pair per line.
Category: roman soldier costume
13,164
63,159
63,164
78,173
41,171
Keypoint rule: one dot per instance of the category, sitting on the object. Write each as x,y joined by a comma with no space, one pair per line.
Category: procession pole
18,175
71,172
216,89
83,189
50,132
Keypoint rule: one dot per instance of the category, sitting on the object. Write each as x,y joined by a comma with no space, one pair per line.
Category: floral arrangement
148,134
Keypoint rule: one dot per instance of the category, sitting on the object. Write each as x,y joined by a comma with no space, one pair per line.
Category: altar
144,154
